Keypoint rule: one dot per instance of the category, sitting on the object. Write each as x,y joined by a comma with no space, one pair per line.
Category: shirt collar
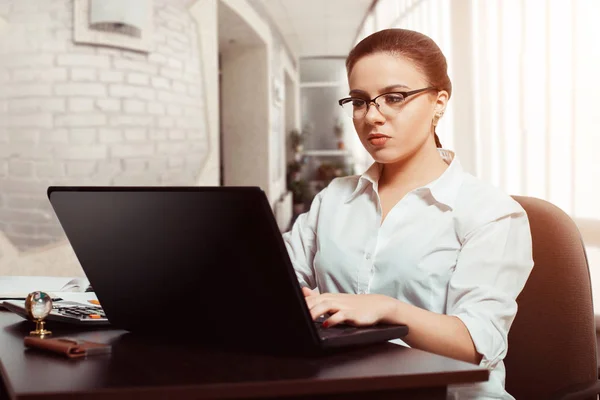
444,189
369,177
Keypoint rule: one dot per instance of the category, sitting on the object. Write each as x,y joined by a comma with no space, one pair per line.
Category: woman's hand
352,309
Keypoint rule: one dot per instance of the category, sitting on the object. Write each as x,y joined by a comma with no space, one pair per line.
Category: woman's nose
373,115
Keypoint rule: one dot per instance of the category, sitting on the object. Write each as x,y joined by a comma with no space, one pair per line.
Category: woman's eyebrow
384,90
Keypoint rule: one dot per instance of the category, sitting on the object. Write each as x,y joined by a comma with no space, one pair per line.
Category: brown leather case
69,347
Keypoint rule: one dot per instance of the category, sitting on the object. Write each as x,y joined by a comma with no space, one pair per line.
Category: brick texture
85,115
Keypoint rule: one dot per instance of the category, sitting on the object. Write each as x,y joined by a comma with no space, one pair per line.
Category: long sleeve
492,268
301,243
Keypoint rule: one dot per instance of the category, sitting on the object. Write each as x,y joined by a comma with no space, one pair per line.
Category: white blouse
456,246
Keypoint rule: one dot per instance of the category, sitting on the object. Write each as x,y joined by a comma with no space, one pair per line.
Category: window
533,90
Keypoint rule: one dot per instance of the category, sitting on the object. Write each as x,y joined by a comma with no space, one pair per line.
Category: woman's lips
377,139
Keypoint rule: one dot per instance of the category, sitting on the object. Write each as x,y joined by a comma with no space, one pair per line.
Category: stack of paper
18,287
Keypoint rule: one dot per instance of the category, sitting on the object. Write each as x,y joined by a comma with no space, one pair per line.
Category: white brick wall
83,115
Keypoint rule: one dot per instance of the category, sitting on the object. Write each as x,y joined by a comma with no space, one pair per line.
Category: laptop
206,264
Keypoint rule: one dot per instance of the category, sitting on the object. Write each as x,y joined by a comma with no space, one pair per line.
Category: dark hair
419,48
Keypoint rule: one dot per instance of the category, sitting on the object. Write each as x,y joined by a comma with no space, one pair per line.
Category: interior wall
245,119
80,114
83,114
204,12
289,118
274,130
186,40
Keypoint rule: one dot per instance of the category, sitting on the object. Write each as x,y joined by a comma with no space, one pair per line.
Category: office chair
552,342
597,318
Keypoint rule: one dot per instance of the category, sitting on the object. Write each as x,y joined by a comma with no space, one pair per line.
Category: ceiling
233,31
315,28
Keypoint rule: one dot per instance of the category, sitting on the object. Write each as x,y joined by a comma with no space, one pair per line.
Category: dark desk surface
152,369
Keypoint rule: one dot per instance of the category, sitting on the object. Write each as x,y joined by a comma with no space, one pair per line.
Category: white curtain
529,74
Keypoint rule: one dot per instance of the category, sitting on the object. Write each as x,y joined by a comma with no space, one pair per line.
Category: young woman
415,239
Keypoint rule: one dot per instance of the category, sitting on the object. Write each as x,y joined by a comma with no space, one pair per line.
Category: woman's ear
441,102
439,108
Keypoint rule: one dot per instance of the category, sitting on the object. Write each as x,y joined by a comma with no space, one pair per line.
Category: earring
437,117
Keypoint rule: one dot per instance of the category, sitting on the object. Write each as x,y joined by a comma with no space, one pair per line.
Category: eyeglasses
391,104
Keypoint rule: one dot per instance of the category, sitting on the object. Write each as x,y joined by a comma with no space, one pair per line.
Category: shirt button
368,256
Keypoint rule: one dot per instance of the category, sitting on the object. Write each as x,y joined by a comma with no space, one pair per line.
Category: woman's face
394,138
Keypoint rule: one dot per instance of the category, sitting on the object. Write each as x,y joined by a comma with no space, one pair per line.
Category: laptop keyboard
334,331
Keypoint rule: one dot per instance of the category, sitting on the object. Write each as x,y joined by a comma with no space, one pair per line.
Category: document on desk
18,287
398,342
83,298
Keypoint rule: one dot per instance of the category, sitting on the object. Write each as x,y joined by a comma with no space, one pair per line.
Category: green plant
328,171
296,139
344,169
294,167
299,191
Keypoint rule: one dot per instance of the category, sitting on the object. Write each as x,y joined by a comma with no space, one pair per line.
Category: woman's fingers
321,308
315,298
307,292
335,319
348,317
356,310
311,301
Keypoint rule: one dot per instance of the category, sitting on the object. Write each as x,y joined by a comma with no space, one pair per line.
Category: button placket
366,270
366,266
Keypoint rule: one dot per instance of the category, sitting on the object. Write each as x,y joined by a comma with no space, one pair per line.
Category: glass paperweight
38,305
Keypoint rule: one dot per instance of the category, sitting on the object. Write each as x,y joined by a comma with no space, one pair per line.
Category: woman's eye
393,98
358,103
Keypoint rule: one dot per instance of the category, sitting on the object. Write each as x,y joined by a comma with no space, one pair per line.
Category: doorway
244,99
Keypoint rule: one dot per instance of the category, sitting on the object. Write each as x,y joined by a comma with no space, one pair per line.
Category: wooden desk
154,369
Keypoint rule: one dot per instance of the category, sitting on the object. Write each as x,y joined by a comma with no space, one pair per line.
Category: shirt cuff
486,343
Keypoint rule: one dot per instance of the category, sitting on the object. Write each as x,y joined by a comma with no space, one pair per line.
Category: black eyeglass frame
346,100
